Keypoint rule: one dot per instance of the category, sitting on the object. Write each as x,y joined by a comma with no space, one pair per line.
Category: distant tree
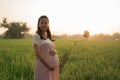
16,30
116,35
86,34
4,23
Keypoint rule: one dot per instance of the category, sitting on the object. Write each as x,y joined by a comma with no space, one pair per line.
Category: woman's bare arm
37,52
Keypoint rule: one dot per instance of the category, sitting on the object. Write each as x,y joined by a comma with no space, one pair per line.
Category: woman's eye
43,22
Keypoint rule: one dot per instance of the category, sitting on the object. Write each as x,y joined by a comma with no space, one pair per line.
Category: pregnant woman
47,61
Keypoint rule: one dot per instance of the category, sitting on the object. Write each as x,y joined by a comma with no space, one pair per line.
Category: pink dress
41,72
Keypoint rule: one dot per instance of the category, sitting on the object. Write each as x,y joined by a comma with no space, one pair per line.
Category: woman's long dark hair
39,31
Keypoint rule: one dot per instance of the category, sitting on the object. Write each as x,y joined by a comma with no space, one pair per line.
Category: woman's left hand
53,52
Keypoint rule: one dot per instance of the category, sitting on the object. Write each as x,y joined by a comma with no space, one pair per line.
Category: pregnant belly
52,60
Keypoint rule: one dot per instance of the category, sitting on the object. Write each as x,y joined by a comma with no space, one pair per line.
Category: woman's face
43,24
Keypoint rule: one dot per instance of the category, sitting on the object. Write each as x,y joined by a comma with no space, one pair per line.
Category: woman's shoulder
36,39
36,35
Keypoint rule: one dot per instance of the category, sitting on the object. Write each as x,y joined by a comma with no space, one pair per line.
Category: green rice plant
17,58
82,60
93,60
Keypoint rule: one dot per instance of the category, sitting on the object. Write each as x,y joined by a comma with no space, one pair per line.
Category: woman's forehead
43,20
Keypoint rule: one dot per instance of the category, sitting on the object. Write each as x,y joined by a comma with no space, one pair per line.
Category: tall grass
80,59
16,60
93,60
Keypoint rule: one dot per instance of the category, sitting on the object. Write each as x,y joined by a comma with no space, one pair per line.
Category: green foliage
93,60
16,60
16,30
85,60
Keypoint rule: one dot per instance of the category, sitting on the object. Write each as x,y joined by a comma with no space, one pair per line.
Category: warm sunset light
66,16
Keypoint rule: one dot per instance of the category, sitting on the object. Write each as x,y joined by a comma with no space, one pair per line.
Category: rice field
79,59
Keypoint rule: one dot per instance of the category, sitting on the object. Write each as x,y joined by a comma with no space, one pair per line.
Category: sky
66,16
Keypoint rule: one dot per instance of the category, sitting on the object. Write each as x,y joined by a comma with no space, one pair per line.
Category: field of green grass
79,59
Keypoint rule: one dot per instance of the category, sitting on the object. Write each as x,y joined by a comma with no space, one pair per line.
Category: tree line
86,35
17,30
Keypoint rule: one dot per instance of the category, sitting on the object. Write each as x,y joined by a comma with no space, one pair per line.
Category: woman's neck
44,34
